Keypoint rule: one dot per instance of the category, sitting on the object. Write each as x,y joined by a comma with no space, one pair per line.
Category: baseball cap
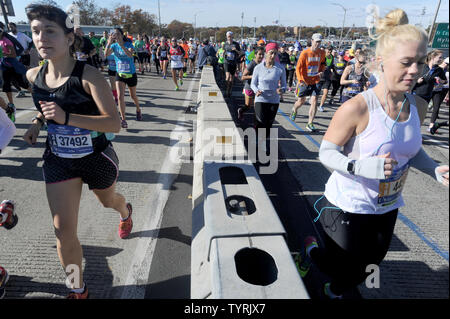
229,33
190,39
317,37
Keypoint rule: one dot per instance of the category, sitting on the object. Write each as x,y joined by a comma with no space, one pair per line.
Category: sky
221,13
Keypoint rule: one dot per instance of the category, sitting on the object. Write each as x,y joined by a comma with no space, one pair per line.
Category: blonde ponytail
393,28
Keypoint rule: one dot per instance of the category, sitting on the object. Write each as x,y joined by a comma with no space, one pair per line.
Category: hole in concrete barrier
240,205
232,175
255,266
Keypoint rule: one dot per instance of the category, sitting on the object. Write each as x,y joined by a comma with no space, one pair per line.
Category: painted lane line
136,282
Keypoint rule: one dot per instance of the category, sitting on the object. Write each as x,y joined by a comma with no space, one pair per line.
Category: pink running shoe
126,226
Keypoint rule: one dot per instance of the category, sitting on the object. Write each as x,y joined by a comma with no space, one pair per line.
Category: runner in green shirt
221,59
96,57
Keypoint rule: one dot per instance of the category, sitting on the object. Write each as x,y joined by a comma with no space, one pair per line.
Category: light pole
242,26
343,22
434,21
159,17
254,28
195,23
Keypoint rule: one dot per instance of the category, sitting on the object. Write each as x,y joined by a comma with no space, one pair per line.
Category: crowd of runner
383,94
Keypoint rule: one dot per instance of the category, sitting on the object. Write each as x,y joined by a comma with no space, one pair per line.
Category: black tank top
70,96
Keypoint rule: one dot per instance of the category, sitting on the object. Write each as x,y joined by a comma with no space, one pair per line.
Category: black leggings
265,116
351,243
290,77
437,97
336,86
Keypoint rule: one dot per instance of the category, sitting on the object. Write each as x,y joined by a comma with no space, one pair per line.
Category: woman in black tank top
77,104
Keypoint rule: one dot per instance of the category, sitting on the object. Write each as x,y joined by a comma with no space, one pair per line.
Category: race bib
163,54
112,64
69,141
230,56
391,188
123,67
176,58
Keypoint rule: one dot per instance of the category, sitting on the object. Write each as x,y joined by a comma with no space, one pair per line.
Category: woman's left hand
279,91
53,111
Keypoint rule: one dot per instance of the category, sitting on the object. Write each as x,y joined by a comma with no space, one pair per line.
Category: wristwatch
38,119
351,167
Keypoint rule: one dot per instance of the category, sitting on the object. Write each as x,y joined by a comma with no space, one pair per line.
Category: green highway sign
440,39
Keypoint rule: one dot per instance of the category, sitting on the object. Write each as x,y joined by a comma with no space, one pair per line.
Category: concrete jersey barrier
238,248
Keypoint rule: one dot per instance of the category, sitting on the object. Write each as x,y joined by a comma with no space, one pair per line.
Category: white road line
135,284
437,143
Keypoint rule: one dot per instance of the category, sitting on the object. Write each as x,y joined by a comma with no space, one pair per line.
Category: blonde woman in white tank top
379,132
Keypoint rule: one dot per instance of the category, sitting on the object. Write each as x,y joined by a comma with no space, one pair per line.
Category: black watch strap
351,167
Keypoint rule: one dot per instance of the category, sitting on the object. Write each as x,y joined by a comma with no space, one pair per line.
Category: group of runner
370,164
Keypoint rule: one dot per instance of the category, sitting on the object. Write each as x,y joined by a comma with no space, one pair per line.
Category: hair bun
393,19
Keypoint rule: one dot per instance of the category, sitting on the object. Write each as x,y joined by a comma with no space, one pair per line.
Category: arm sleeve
7,129
331,156
255,79
426,164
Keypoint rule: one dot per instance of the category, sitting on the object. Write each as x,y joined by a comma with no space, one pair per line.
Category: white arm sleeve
426,164
331,156
7,129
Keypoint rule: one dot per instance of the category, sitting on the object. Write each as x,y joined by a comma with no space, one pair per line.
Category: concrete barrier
238,247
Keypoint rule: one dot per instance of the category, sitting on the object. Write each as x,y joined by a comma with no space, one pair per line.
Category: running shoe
434,129
20,94
331,102
11,112
293,115
7,209
320,108
4,277
126,226
124,124
329,293
138,116
177,88
185,75
303,260
310,127
78,295
164,76
181,82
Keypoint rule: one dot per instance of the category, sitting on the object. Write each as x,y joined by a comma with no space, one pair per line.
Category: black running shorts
230,68
131,82
98,170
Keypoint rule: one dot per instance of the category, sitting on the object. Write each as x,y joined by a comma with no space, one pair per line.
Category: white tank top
356,194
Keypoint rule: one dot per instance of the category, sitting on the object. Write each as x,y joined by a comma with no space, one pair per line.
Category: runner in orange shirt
185,46
310,67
